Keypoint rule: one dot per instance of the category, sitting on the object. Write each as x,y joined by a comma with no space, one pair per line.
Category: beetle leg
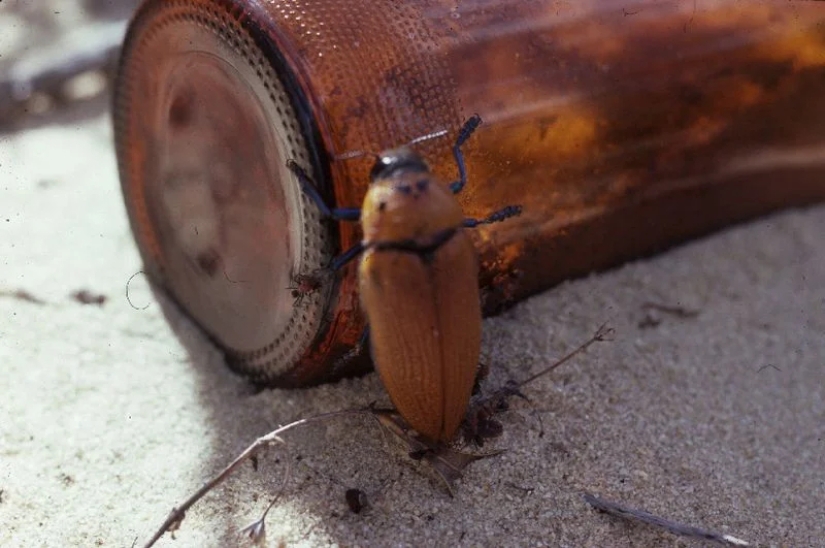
495,217
308,187
345,257
363,341
354,352
359,346
339,214
463,134
448,463
482,371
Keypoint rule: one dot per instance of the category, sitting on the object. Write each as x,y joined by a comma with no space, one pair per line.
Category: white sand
107,420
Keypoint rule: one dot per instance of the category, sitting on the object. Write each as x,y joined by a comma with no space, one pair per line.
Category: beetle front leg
338,214
495,217
345,257
309,188
463,134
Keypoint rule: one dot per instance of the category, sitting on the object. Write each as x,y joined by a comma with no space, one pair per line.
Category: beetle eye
381,165
395,160
422,185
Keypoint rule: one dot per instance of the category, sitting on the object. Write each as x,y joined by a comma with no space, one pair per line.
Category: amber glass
621,127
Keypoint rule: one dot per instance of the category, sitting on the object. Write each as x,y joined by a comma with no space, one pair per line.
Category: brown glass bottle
621,127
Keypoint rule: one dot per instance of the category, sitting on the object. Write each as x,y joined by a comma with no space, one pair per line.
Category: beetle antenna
361,153
427,137
355,154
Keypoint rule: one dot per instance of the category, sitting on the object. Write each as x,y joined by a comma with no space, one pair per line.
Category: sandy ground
108,418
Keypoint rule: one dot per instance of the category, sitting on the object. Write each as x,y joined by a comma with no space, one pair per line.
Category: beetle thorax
410,205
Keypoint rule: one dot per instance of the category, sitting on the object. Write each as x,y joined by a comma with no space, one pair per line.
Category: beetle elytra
418,283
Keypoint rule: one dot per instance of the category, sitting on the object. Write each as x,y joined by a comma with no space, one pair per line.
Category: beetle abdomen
425,330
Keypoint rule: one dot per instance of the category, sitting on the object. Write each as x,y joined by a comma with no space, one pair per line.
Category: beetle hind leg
449,463
495,217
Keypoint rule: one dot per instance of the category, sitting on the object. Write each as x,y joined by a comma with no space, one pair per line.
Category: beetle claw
448,463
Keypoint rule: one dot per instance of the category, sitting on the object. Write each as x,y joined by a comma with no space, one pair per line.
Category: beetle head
408,204
392,161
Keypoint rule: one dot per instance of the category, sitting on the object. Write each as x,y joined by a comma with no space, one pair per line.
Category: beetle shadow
238,412
660,418
219,394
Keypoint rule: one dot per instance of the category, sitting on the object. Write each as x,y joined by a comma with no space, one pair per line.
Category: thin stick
678,311
604,333
177,514
625,512
256,531
479,424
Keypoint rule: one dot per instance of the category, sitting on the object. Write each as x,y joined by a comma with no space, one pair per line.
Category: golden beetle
418,281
